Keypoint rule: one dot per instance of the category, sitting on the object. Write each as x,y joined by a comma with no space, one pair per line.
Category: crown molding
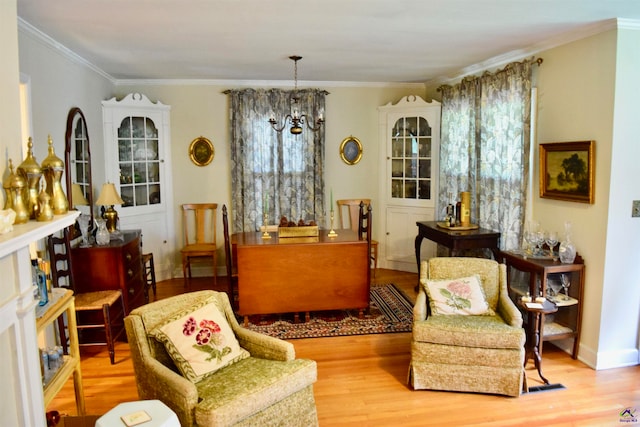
47,41
263,83
549,43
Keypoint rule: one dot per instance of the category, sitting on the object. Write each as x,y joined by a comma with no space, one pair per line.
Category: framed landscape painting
567,171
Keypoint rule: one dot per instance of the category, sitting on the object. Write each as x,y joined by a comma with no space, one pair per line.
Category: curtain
275,172
485,146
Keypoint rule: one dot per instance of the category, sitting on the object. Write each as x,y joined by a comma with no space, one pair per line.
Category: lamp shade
77,197
109,196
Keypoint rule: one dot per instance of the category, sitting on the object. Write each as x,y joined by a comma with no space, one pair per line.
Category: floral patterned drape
485,143
271,171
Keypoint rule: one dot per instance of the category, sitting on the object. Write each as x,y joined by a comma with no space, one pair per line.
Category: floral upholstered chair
467,334
189,352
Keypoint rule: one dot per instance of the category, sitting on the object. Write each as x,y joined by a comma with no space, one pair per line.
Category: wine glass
552,241
83,222
538,240
565,285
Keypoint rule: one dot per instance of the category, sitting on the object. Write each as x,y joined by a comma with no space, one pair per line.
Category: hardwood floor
362,382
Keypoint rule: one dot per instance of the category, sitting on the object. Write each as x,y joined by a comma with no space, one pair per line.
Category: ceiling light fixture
295,119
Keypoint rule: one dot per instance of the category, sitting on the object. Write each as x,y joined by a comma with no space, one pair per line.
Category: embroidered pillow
457,296
200,342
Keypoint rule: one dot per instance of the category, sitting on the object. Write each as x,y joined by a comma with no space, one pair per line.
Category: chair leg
108,332
215,270
153,277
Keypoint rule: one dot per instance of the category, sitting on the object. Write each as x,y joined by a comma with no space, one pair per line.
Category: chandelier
295,119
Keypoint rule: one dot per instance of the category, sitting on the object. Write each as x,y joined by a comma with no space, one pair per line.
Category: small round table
534,327
160,414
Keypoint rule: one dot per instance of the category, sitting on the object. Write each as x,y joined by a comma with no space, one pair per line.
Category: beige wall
11,403
202,110
57,84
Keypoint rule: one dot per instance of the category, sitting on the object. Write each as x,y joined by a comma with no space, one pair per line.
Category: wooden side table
534,326
457,240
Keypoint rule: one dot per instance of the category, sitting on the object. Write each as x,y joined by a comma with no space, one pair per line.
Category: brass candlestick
266,234
332,232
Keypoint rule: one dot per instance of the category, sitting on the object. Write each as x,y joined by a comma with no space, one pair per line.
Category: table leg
418,244
533,346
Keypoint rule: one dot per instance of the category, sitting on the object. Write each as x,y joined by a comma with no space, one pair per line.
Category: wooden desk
457,240
291,275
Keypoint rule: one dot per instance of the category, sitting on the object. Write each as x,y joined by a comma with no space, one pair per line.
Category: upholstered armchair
256,381
457,351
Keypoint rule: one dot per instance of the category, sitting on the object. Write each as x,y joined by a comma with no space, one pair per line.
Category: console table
291,275
457,240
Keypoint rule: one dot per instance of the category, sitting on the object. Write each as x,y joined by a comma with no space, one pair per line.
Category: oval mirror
77,159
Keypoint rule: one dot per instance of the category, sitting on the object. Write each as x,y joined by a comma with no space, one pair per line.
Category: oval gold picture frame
201,151
351,150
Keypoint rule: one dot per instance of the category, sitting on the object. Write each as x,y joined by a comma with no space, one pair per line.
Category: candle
331,206
266,204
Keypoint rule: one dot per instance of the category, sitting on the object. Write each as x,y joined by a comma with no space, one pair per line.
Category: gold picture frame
201,151
567,171
351,150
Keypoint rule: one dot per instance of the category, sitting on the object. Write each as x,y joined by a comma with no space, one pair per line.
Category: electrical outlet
635,209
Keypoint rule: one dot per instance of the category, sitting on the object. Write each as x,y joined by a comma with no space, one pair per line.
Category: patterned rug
391,311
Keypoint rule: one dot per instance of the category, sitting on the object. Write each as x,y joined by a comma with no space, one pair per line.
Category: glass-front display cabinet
409,132
137,144
411,156
139,161
562,284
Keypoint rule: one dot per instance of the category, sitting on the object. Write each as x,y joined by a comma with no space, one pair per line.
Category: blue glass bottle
40,280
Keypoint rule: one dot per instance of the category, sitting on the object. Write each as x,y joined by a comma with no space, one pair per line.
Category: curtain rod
538,61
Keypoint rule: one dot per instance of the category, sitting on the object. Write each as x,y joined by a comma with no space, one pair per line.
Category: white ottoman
161,415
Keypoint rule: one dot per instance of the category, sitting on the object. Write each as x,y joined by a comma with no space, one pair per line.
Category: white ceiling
339,40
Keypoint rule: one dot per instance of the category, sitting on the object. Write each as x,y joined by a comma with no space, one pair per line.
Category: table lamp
77,196
109,197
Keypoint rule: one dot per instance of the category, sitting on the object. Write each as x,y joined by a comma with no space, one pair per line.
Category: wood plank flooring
362,382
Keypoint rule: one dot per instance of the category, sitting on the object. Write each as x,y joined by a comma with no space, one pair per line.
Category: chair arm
508,311
165,382
156,381
264,346
420,307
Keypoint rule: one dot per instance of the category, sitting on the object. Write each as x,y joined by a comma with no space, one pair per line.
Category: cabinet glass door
411,149
139,161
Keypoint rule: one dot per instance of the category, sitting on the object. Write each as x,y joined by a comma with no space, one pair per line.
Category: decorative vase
567,250
102,235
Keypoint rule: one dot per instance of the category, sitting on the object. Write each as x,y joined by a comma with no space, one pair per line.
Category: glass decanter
102,235
567,250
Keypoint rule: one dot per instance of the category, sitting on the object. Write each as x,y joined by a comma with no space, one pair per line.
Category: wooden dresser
115,266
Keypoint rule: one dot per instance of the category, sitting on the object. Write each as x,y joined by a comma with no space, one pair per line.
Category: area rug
391,311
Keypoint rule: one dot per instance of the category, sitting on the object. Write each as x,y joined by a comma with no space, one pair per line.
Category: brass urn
45,212
18,186
31,172
53,168
6,185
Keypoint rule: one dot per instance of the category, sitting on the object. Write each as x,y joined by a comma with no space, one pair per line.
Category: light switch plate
635,209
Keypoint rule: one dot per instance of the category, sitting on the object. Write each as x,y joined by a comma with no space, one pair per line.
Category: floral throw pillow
457,296
200,342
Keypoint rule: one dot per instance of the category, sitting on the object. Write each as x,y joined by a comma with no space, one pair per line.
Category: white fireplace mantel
23,401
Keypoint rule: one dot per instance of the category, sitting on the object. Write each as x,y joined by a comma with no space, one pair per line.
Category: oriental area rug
390,311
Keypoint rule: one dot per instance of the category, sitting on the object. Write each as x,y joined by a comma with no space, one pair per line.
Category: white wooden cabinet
409,149
138,160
